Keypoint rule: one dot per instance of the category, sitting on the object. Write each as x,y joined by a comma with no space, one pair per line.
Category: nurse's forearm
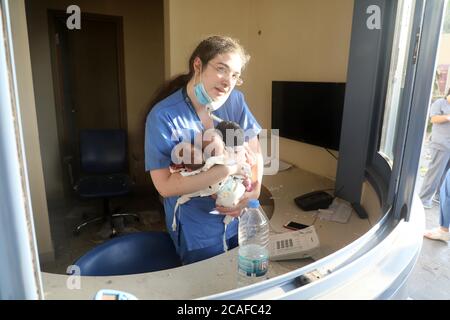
169,185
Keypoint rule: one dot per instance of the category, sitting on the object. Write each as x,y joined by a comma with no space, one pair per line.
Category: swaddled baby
223,145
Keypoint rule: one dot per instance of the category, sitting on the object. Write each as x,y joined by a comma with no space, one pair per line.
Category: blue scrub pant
188,257
444,195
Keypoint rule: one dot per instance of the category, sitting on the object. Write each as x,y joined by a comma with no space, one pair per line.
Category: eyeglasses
223,71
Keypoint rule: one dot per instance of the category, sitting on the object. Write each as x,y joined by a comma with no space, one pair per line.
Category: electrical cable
331,154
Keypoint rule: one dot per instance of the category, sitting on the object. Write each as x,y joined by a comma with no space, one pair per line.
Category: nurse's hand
236,211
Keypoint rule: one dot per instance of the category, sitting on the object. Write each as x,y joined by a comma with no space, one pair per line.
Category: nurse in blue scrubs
182,110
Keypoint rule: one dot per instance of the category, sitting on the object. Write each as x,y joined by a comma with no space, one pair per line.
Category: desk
219,273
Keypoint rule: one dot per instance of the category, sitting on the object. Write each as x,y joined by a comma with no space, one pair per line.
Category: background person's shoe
437,234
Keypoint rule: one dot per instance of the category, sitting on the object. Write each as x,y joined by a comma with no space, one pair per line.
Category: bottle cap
253,203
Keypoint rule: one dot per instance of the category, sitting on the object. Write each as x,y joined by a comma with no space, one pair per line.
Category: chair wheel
113,234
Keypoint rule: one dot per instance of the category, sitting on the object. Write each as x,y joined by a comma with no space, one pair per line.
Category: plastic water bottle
253,259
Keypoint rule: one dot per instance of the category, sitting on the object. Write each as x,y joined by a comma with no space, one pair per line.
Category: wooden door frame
58,84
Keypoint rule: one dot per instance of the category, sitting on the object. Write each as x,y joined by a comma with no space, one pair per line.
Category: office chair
130,254
103,163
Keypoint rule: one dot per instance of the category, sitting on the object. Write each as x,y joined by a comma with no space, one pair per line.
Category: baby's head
190,156
212,144
232,133
227,134
234,138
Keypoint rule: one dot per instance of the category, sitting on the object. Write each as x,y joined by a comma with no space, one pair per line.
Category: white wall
298,40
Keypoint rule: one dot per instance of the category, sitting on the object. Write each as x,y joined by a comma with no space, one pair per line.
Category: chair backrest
103,151
130,254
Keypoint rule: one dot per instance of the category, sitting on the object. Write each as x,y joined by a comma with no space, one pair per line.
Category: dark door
88,67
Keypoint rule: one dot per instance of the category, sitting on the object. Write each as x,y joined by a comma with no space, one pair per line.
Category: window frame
377,161
20,276
367,83
367,75
416,120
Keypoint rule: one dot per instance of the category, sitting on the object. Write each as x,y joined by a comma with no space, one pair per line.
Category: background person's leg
437,195
441,233
444,219
436,169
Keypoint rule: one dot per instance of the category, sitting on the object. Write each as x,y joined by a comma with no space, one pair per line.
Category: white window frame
19,264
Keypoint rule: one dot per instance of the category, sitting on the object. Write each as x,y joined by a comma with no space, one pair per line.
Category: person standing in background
440,150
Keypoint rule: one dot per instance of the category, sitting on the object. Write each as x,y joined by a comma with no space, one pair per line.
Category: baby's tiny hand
242,169
247,184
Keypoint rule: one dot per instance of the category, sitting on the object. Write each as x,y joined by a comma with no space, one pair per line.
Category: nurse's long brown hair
207,50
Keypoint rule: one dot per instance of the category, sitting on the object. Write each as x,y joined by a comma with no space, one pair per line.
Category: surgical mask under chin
204,99
201,94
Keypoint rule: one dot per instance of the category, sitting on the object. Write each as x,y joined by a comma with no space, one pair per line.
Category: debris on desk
275,188
309,277
339,211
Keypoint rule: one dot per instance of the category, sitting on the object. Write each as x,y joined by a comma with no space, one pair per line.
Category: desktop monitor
309,112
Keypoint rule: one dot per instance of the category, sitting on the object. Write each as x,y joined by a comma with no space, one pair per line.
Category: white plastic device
111,294
290,245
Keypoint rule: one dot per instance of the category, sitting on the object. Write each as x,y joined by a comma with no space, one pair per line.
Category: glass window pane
400,49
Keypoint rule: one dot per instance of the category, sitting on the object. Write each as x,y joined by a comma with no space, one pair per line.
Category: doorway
89,83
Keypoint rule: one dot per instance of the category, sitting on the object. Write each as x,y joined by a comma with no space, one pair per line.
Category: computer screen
310,112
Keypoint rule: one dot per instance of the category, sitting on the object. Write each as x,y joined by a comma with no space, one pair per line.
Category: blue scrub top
169,122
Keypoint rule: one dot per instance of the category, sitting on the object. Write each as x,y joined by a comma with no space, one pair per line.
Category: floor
430,279
64,219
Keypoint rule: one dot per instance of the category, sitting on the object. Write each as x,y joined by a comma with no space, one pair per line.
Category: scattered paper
339,211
